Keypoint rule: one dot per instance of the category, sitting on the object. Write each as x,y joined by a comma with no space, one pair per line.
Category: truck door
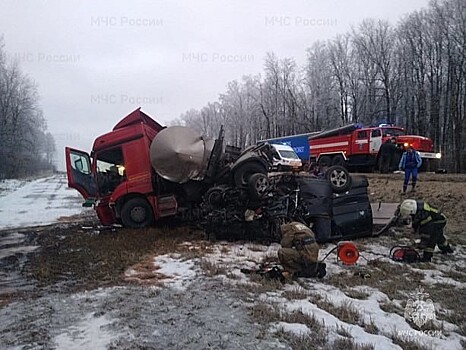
361,142
375,141
78,170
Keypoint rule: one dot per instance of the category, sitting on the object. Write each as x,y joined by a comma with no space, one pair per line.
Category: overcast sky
96,61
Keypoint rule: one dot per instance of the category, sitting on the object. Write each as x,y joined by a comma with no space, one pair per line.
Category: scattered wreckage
259,211
141,173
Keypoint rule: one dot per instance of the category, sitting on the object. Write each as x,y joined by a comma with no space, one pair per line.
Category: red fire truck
357,147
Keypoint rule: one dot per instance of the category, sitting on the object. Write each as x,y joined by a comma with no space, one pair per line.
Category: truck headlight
438,155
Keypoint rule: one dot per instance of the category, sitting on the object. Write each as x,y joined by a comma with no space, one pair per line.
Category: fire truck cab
357,147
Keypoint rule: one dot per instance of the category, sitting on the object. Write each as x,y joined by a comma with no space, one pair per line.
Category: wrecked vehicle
233,213
141,171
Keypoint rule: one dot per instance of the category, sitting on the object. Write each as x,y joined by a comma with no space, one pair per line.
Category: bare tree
26,148
413,74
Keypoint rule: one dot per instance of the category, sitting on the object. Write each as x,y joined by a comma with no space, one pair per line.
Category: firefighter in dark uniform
386,154
429,222
299,253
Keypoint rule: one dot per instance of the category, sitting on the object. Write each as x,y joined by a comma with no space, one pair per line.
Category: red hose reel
347,253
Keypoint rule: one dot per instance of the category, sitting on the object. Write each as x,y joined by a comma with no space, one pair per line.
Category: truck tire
339,178
258,185
324,161
245,171
137,213
214,196
338,160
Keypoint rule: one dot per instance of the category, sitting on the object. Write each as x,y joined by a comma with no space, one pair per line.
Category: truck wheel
137,213
258,185
339,178
324,161
214,196
338,160
245,171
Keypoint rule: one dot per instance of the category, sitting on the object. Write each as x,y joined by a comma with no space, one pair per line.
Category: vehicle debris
142,172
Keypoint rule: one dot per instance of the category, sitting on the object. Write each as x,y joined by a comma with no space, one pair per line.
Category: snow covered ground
362,314
197,297
37,202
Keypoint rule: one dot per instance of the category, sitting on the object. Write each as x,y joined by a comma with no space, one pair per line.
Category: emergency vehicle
355,146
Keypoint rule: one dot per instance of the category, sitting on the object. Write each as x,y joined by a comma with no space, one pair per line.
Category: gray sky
95,62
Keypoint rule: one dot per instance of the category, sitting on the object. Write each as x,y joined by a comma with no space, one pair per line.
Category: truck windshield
288,154
110,170
392,132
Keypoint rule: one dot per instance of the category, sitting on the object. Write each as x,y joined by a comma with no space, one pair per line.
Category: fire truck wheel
137,213
339,178
324,161
245,171
338,160
258,185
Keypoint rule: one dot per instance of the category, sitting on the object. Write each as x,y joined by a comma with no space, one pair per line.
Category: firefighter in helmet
299,253
429,222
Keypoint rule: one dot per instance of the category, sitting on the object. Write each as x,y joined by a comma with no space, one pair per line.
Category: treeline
411,74
26,148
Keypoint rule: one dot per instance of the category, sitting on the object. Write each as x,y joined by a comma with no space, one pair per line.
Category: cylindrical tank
180,154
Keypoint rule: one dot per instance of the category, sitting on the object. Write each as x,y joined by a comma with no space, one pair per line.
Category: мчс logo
419,309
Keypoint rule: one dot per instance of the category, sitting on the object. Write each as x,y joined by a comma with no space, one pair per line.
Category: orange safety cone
347,253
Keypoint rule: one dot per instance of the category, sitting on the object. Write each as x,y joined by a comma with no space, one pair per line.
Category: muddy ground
70,277
444,191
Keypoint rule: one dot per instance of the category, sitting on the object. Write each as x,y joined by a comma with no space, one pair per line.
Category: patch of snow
131,272
11,238
38,202
8,186
12,244
17,250
332,324
298,329
179,274
370,311
90,333
435,276
235,256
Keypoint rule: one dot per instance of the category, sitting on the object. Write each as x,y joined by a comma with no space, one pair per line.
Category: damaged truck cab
116,177
141,171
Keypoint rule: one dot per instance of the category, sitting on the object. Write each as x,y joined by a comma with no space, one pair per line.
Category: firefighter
386,152
410,162
299,253
429,222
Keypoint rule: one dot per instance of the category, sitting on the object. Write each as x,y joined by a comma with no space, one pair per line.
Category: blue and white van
285,158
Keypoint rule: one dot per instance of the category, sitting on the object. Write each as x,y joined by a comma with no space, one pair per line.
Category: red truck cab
141,171
117,177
